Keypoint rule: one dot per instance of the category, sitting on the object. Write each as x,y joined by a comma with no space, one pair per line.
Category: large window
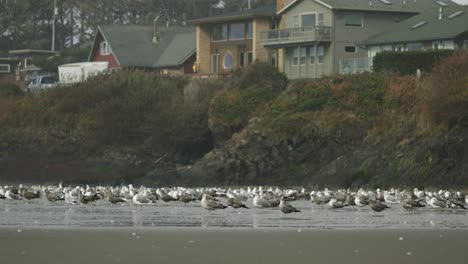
250,30
228,61
5,68
237,31
353,20
219,33
308,20
299,56
105,48
320,50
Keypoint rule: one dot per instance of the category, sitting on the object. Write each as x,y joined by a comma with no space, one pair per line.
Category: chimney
155,32
440,13
280,4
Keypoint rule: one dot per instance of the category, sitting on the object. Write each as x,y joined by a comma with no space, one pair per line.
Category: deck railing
295,35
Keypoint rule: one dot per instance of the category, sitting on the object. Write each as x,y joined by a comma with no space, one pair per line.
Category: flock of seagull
378,200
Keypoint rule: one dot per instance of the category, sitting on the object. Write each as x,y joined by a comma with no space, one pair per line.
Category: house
9,72
445,27
166,50
323,37
230,41
18,67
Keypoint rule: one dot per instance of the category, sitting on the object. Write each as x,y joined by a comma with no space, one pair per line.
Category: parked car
41,83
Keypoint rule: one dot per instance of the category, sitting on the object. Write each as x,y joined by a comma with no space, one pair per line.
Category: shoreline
208,245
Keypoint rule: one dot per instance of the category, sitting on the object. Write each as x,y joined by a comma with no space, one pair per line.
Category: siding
97,53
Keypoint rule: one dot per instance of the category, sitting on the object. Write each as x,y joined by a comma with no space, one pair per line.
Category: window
48,80
214,63
350,49
295,57
237,31
312,54
250,30
321,20
308,20
5,68
353,20
437,45
414,46
303,56
296,22
228,61
105,48
273,57
249,58
320,54
399,48
219,33
242,59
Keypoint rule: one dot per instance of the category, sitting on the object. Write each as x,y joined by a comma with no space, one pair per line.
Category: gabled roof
133,46
178,51
425,26
400,6
262,11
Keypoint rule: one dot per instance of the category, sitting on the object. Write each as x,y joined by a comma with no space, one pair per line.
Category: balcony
355,65
298,35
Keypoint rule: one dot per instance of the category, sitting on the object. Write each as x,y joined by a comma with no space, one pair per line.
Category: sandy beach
231,245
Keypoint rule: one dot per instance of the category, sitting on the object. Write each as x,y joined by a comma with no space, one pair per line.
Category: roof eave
209,20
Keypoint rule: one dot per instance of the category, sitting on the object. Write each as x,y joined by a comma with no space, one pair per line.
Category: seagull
378,206
12,196
186,198
410,203
140,199
52,196
335,204
286,208
211,205
114,199
236,203
435,203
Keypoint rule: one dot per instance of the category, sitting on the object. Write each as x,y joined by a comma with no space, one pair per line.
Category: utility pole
53,25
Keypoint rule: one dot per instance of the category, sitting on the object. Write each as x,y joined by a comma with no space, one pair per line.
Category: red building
168,50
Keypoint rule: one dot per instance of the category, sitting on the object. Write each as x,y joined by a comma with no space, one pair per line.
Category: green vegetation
374,128
10,89
409,62
132,111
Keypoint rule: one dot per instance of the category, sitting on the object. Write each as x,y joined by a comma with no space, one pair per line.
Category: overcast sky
464,2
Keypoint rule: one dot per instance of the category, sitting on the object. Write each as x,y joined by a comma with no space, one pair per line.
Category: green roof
425,27
178,51
133,45
262,11
402,6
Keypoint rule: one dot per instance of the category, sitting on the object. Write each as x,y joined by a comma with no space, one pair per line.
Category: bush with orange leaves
446,92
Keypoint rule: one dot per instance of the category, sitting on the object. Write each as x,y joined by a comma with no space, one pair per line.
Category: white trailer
81,71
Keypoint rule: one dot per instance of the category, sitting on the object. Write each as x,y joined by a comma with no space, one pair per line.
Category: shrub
447,90
408,62
243,97
10,89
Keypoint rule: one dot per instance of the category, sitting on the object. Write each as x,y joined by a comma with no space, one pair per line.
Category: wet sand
232,245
